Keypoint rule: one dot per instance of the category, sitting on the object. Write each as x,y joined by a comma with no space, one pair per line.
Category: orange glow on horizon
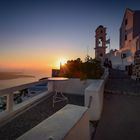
34,57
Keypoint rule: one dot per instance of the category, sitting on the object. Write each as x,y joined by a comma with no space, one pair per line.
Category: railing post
51,86
9,105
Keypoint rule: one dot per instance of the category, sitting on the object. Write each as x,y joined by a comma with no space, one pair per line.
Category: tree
90,69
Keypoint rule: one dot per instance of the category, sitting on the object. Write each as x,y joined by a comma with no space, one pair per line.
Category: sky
36,34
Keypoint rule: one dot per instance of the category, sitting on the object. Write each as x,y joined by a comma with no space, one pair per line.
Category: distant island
13,75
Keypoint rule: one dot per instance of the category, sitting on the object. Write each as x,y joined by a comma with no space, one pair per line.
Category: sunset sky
36,34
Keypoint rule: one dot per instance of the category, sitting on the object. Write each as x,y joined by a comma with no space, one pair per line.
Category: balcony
85,101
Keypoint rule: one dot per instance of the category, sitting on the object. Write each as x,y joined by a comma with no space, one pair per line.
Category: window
100,42
125,37
101,55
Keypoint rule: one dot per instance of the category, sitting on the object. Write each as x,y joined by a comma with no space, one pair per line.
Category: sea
15,82
21,80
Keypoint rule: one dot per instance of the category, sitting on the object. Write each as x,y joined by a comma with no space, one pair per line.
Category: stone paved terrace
120,118
33,116
120,83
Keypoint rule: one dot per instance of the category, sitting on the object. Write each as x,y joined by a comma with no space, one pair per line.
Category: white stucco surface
71,86
95,90
58,125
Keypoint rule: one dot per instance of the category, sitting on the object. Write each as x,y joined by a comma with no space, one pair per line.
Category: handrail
20,87
9,92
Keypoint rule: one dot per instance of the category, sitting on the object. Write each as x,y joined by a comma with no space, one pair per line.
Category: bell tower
100,42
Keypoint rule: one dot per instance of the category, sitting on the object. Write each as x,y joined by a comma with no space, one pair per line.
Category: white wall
95,90
71,86
69,123
81,130
129,50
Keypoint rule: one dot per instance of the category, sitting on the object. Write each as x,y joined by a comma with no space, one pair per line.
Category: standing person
110,64
106,63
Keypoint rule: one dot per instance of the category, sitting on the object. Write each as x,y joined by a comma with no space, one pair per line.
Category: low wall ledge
95,86
57,126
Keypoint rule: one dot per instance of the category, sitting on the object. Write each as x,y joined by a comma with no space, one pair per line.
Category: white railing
9,93
20,87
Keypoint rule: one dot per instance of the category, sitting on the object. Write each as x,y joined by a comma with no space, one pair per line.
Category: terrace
36,113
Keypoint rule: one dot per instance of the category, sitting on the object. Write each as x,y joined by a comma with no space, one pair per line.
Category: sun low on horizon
61,61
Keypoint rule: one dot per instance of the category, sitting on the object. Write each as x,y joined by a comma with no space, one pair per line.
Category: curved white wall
95,90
